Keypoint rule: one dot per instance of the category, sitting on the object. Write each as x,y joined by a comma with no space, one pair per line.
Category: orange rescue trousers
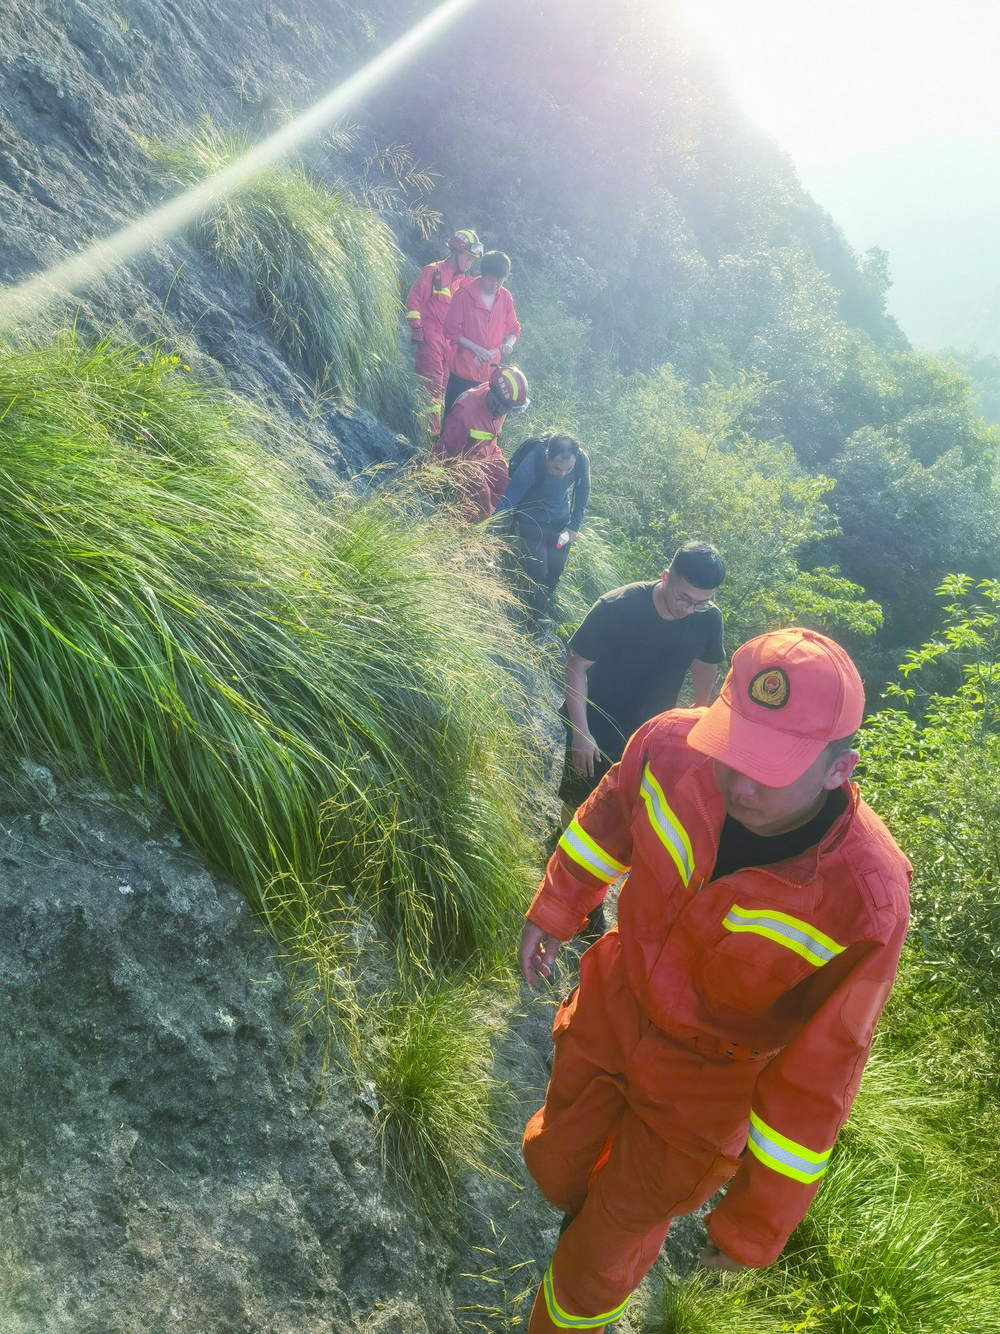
594,1156
431,359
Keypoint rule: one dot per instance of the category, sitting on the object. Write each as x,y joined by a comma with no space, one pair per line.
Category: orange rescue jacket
430,297
470,433
468,317
773,976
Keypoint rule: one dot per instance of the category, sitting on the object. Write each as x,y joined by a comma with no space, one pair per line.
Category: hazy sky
835,80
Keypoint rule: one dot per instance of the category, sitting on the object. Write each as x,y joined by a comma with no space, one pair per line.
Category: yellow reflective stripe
566,1321
804,939
783,1155
666,826
578,844
413,315
443,291
482,435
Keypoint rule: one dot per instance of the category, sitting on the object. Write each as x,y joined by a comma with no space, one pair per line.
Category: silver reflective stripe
578,844
795,935
566,1321
666,825
784,1155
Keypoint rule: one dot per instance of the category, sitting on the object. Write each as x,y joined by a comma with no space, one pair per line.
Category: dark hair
495,264
700,564
562,447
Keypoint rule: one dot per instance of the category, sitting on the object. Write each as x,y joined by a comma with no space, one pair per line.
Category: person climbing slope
426,308
718,1034
469,440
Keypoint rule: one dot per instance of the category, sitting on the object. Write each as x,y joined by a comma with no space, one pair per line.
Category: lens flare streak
31,297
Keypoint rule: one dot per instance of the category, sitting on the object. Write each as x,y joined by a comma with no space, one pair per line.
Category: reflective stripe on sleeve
804,939
482,435
784,1155
566,1321
666,826
578,844
414,315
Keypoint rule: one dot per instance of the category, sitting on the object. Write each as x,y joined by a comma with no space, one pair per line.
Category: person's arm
804,1094
512,329
594,851
585,749
480,353
416,303
703,678
521,481
581,493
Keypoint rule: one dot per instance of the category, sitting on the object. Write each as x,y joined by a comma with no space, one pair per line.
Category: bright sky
833,79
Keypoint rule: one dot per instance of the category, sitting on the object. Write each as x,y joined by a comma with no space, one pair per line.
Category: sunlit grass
429,1061
322,271
879,1252
320,696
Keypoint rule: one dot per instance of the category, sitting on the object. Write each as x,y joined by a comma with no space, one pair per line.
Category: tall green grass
428,1061
321,269
320,696
880,1252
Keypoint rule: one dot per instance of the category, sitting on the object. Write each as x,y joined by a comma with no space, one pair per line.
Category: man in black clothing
628,660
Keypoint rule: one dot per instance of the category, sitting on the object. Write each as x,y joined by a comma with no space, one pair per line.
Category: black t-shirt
738,847
639,660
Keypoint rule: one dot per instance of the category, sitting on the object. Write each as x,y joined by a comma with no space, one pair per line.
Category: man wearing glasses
628,660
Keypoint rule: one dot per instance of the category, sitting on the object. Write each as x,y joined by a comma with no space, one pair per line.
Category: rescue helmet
510,387
466,239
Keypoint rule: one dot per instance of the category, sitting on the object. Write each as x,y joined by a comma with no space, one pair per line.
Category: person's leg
615,1237
534,558
431,364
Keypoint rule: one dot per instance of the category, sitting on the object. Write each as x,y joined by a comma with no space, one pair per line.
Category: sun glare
838,78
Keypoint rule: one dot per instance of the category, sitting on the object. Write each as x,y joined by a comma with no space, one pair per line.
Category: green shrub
430,1065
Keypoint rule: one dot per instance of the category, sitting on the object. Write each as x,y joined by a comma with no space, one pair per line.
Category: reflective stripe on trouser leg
615,1238
563,1319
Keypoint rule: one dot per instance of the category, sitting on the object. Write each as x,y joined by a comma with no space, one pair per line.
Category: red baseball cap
787,696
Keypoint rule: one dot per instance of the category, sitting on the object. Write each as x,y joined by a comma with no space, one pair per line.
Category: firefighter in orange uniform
469,439
426,307
481,326
719,1031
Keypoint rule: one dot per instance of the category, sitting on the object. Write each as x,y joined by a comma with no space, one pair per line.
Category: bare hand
485,353
712,1258
585,753
537,953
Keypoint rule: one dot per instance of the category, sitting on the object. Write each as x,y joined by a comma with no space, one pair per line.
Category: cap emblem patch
770,688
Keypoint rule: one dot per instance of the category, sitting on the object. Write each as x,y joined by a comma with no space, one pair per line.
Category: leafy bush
672,464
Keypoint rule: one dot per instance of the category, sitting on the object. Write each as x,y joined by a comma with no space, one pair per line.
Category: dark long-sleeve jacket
553,502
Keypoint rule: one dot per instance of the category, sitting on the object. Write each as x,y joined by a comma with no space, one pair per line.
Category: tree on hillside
674,463
903,523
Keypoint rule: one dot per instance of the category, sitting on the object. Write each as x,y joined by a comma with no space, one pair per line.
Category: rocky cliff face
81,83
173,1155
166,1164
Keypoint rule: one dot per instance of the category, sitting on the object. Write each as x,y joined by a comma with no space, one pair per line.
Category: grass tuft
320,695
322,271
